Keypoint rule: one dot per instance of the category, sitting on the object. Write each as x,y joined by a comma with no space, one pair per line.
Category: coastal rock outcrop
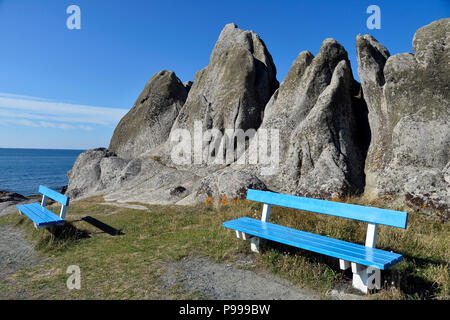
150,120
142,179
147,180
321,120
408,97
388,136
85,176
6,196
232,91
223,187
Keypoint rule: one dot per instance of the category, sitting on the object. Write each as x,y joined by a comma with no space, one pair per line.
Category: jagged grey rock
143,179
223,187
329,141
324,123
148,181
408,98
229,94
149,122
321,123
188,85
7,196
85,176
232,91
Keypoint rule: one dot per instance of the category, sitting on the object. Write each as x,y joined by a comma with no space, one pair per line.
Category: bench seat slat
30,214
324,243
353,248
39,215
48,217
332,247
45,216
37,210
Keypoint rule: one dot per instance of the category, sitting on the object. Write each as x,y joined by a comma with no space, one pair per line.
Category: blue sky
67,89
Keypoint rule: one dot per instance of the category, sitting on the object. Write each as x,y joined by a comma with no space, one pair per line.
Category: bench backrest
350,211
58,197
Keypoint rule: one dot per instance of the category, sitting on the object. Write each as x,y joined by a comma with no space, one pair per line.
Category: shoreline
62,149
9,200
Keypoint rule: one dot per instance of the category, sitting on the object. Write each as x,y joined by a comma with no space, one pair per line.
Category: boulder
408,98
85,178
330,141
150,120
142,179
322,126
7,196
232,91
223,187
146,180
388,136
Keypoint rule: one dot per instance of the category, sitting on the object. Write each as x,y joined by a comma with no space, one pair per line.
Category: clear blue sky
62,88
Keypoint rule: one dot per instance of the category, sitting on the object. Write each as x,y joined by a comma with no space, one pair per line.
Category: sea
24,170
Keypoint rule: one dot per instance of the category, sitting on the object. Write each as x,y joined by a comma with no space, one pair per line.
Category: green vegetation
131,265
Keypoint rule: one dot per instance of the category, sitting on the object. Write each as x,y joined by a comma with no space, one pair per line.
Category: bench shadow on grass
406,278
102,226
68,234
68,231
410,282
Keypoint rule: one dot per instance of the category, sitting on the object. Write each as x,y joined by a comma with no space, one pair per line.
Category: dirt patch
221,281
225,282
15,251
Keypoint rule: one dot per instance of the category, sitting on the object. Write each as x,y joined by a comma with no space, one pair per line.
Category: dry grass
130,266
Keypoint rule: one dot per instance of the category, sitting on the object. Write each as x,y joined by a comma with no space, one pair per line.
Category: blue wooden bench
365,260
41,216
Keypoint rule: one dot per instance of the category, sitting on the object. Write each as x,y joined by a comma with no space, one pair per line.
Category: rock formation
409,115
223,187
321,120
232,91
100,171
389,136
85,176
149,122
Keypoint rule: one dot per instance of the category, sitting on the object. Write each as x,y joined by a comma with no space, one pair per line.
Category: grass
132,265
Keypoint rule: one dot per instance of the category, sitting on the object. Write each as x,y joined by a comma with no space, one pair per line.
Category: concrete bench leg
365,278
243,235
258,242
255,244
344,264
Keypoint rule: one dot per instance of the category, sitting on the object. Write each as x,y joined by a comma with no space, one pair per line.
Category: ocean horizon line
22,148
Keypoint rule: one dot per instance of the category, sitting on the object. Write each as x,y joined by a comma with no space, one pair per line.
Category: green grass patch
132,265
